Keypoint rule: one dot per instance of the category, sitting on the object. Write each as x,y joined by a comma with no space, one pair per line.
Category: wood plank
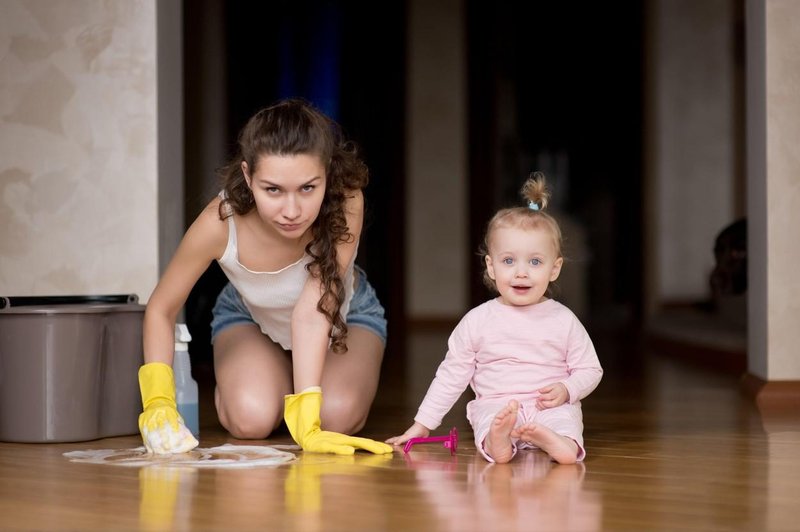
670,447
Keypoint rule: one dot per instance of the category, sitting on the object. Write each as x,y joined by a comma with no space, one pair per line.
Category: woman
297,316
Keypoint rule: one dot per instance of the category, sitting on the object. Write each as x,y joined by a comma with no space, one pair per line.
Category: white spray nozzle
182,337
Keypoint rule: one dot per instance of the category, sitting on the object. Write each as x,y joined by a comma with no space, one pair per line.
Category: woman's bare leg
350,381
253,374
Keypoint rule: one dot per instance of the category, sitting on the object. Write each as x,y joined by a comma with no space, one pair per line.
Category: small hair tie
532,205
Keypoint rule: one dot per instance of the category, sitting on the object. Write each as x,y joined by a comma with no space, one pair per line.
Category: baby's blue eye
508,260
535,262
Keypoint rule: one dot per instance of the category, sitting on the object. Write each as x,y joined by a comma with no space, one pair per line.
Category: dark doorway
559,89
348,59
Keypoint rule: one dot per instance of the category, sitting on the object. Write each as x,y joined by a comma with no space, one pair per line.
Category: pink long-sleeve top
505,351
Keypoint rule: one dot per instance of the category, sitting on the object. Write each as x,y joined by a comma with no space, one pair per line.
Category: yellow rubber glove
301,413
162,428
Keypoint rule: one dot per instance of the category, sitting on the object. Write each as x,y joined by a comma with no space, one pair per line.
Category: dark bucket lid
68,304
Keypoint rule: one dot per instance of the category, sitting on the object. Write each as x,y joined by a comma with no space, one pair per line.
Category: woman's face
288,191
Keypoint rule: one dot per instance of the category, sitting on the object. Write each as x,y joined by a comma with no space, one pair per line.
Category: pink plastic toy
450,441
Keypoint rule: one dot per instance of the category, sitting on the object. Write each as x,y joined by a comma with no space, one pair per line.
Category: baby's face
522,263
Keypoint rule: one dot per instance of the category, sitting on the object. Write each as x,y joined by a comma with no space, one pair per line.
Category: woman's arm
310,338
310,327
204,241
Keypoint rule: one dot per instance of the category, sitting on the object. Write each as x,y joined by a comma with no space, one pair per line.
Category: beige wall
773,134
691,140
79,187
436,159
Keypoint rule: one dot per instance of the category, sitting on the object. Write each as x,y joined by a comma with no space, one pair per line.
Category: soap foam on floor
227,456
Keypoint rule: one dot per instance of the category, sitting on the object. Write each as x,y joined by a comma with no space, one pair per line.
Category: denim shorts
365,309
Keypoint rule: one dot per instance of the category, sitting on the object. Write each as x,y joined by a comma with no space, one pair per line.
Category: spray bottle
186,394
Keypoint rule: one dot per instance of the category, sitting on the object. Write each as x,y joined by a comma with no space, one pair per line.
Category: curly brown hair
294,127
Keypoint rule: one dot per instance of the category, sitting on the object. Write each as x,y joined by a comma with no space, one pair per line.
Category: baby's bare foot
560,448
498,442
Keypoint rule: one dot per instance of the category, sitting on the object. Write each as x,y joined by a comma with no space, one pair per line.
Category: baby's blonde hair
536,194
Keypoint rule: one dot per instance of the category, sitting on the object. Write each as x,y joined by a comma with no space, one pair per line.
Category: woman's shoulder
354,201
211,213
209,229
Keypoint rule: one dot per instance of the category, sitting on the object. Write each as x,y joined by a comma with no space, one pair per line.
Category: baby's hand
414,431
552,396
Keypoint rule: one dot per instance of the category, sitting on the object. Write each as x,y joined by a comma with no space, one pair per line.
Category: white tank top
271,296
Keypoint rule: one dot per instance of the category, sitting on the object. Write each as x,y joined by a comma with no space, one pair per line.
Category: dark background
576,78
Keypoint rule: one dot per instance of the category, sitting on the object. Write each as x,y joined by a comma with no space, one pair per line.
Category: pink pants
566,420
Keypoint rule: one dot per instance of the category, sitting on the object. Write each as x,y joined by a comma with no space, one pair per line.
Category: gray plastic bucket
68,367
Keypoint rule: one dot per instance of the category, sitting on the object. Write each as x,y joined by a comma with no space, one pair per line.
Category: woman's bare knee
253,374
345,407
248,427
248,419
343,413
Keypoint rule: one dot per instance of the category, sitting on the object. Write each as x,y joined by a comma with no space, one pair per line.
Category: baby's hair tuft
535,190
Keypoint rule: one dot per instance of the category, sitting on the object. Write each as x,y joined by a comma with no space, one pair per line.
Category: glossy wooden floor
670,447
